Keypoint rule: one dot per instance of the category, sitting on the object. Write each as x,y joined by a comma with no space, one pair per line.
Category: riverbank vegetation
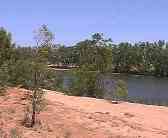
89,60
148,58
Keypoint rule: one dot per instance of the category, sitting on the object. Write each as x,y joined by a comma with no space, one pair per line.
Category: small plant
121,90
27,117
40,101
37,100
86,84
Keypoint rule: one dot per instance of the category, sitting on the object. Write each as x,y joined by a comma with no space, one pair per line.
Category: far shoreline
118,73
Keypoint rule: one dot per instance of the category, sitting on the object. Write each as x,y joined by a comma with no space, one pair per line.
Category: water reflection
142,89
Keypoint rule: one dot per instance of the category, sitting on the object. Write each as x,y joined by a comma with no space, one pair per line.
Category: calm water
148,87
144,87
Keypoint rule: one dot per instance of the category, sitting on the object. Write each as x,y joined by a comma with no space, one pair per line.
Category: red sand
77,117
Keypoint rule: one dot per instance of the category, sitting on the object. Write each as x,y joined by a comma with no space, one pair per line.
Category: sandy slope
77,117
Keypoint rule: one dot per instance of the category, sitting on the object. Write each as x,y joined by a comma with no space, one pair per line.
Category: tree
85,83
6,53
43,39
142,57
38,71
44,42
43,36
95,58
121,89
96,54
5,46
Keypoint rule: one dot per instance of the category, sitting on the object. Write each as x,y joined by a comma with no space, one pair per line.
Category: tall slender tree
43,38
6,52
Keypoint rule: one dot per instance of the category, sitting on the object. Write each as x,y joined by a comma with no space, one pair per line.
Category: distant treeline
140,58
30,67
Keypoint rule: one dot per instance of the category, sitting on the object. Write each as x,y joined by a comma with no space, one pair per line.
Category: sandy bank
80,117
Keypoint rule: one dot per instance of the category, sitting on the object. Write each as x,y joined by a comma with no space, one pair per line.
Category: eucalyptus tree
96,54
43,38
6,53
95,58
5,46
44,42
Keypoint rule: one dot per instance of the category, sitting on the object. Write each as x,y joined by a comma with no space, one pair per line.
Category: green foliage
39,99
19,72
95,57
43,36
143,57
121,89
44,42
27,66
64,55
38,68
4,77
24,53
85,84
5,46
54,80
95,54
6,53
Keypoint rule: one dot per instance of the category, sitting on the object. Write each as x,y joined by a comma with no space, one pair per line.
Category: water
146,88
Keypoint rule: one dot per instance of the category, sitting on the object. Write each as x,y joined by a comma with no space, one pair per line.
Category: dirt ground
80,117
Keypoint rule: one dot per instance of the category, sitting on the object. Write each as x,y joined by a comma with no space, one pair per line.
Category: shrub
36,104
4,77
20,73
121,89
85,83
27,117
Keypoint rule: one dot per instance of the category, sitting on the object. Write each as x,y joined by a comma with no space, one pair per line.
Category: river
147,88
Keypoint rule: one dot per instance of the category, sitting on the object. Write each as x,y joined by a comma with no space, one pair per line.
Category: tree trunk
34,101
33,111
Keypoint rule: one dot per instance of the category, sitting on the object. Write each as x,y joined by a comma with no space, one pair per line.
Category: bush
53,80
36,104
20,73
121,90
27,116
85,83
4,77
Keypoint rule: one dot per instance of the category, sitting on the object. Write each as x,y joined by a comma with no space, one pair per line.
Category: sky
75,20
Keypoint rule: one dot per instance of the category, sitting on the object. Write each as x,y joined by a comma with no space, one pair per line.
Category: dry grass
2,134
27,117
14,133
